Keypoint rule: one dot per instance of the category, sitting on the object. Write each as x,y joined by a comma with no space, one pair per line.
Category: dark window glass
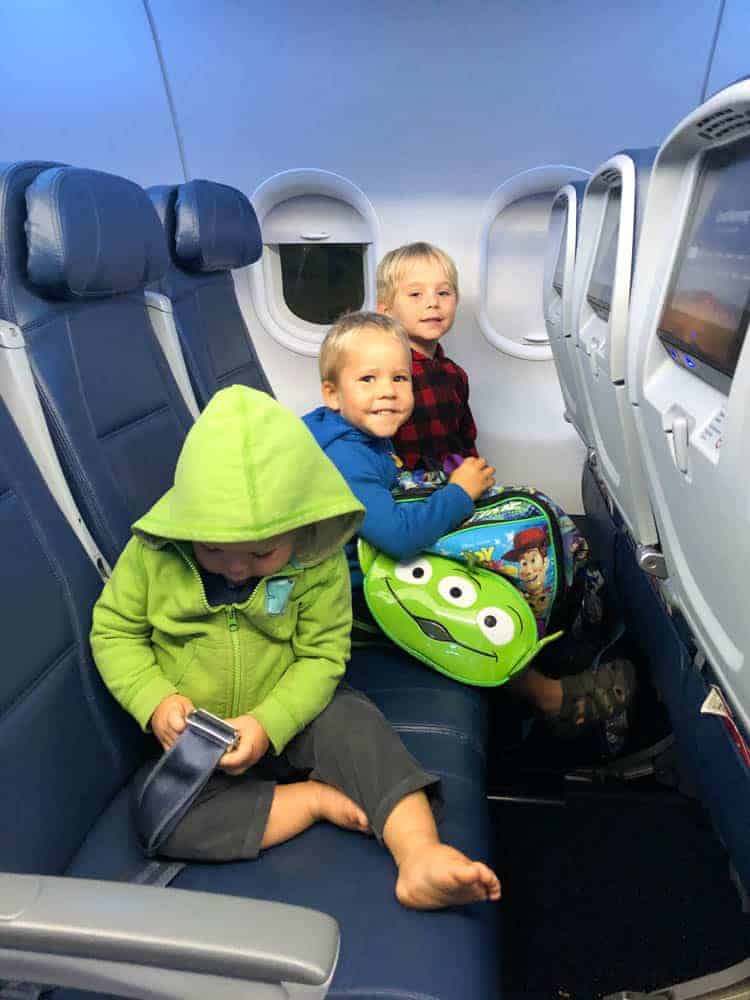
322,282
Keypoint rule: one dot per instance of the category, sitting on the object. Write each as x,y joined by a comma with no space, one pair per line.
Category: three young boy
372,424
233,595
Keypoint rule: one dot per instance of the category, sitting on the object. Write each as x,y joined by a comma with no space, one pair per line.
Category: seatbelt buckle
212,728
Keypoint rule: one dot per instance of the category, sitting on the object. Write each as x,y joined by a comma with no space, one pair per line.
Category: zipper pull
233,626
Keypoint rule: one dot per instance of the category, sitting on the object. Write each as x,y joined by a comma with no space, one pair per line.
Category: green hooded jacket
249,470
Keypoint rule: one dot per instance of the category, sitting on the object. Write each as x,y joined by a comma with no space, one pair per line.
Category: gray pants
350,745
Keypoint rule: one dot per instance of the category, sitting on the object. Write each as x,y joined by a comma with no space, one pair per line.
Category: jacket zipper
234,630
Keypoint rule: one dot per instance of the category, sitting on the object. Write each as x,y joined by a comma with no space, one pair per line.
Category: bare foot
333,805
438,875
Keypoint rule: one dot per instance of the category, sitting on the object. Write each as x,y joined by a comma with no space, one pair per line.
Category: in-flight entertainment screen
603,273
706,311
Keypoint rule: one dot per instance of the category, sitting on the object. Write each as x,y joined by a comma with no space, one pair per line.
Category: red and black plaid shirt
441,423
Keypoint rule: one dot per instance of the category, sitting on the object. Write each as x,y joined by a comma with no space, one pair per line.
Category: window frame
266,286
537,181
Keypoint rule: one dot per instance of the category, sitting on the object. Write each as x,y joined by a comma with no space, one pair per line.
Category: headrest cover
91,234
216,229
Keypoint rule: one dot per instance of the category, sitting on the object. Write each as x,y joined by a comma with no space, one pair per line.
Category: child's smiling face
239,562
372,389
424,303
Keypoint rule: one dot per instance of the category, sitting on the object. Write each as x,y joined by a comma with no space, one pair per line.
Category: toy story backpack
487,596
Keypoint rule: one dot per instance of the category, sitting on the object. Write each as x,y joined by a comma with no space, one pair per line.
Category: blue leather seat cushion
386,950
216,228
417,699
91,234
215,340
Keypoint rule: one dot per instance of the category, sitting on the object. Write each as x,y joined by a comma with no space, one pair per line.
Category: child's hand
252,745
474,475
168,720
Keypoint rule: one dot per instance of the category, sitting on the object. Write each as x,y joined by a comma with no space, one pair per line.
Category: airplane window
514,242
515,269
322,282
319,255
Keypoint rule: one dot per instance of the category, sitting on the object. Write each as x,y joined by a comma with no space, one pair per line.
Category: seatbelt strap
179,776
156,873
22,991
167,794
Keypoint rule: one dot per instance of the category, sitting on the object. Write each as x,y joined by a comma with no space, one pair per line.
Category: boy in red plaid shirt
418,286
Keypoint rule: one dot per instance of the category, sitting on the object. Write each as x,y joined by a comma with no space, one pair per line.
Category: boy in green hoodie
233,596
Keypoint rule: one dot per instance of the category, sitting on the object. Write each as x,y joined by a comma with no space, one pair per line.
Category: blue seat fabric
115,414
66,748
68,753
215,341
708,757
79,750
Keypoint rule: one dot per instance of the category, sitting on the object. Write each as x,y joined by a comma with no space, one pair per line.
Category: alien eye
457,590
496,625
416,571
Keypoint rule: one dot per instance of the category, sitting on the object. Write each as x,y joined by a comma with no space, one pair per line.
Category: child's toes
359,819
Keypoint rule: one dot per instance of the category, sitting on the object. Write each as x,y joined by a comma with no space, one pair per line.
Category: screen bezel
725,371
559,283
596,293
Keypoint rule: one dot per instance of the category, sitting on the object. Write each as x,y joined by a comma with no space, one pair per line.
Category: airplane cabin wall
427,107
80,83
730,61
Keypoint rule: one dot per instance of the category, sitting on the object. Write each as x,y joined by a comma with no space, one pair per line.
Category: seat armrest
86,929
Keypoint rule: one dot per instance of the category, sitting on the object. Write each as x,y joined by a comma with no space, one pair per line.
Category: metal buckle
213,728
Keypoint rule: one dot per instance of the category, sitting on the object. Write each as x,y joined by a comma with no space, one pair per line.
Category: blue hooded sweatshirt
367,463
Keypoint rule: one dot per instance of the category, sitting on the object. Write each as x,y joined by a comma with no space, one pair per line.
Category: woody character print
530,551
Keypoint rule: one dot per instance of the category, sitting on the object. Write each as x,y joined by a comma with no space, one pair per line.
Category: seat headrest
216,228
91,234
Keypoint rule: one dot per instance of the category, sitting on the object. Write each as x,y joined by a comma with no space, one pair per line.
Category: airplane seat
211,230
386,950
560,263
115,413
65,746
78,247
610,223
688,370
415,698
68,754
603,527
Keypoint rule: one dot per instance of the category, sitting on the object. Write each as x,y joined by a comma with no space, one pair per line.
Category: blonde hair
393,265
339,339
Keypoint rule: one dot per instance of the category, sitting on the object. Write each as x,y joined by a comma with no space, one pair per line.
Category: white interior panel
601,305
694,431
562,242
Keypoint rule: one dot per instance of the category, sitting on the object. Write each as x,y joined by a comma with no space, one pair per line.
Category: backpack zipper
234,629
561,580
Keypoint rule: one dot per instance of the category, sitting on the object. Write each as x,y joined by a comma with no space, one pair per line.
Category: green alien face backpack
465,621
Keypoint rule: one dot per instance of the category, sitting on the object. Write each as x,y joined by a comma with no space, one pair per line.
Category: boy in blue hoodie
365,371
